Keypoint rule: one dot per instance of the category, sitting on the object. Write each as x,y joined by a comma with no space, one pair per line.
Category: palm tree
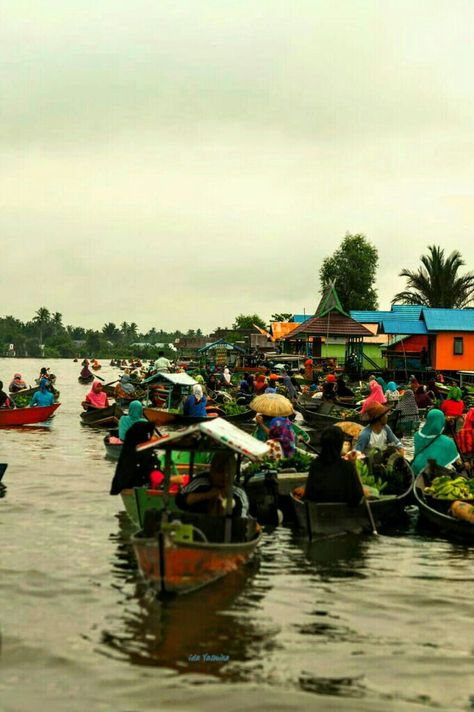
111,332
42,317
437,283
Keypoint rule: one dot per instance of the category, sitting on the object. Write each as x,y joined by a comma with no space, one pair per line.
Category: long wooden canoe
335,518
26,416
439,519
188,557
160,416
102,417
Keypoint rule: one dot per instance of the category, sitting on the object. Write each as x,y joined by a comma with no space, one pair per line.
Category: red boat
26,416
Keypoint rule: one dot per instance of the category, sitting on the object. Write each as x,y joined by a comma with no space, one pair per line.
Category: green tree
42,319
437,283
110,332
353,266
284,316
246,321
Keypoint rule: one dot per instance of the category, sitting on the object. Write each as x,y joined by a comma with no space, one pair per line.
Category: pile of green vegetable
233,408
445,487
21,401
385,470
300,462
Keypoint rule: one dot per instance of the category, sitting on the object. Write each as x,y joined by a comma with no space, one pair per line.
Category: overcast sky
178,162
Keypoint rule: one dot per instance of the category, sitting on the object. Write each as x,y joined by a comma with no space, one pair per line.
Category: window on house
458,348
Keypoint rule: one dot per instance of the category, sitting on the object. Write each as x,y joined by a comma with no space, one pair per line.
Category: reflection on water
369,619
180,632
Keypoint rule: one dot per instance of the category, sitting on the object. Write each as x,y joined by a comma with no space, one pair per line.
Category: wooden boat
112,450
269,493
28,393
321,418
335,518
175,565
245,417
180,552
141,499
26,416
86,380
439,518
3,467
102,417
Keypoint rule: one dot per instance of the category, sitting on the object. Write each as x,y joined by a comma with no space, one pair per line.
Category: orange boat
26,416
181,551
181,567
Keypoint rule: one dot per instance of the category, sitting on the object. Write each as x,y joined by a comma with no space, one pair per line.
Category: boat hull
443,523
102,417
335,518
84,381
185,567
27,416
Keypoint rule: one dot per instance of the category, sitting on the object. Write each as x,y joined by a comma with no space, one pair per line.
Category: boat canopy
180,379
216,431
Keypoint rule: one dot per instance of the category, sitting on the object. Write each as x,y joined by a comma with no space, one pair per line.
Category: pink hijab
97,398
376,396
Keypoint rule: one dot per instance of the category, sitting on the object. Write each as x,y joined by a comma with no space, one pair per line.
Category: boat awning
217,430
178,379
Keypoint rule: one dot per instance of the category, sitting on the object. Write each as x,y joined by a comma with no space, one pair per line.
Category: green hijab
135,415
455,393
430,444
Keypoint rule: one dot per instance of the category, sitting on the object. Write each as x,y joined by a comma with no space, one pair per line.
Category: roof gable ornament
330,302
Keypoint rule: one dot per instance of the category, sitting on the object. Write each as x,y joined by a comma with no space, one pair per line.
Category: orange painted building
452,351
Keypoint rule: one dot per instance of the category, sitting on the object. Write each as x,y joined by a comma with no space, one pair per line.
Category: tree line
438,282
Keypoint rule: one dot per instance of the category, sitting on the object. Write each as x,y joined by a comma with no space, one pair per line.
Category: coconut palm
437,283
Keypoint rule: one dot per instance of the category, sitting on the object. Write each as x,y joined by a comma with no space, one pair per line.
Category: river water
370,623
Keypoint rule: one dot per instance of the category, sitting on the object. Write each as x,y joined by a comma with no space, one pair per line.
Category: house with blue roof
426,338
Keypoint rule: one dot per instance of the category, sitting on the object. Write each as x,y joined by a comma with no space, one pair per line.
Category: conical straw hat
272,404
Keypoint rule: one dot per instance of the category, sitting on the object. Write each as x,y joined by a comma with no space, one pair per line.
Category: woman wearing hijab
86,372
381,383
453,406
17,384
286,382
260,384
329,387
96,398
134,469
126,386
422,398
465,436
227,378
135,415
195,403
342,390
4,399
331,478
42,396
376,396
431,444
279,431
409,417
391,392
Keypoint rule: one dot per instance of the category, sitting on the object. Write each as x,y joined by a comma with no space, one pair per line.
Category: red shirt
452,408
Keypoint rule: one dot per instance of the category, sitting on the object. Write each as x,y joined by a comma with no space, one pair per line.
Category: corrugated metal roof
369,317
394,325
333,324
300,318
412,310
449,319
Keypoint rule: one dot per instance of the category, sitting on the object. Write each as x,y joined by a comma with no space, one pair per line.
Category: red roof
332,324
